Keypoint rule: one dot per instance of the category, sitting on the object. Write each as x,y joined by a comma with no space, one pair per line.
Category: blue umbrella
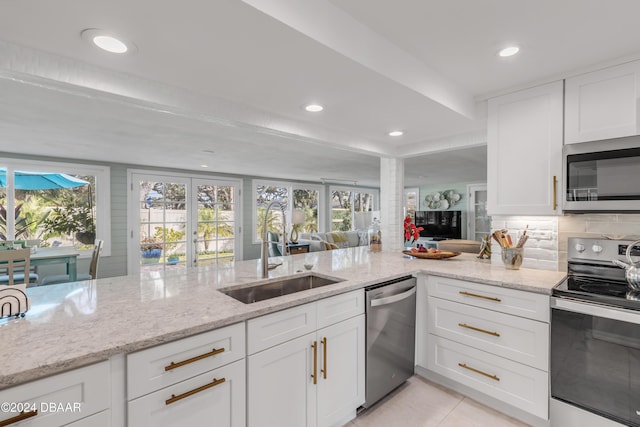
41,180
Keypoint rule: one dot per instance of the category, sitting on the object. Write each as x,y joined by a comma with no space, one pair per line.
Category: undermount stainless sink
279,287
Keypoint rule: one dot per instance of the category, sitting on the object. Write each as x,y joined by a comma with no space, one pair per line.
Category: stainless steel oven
595,339
602,176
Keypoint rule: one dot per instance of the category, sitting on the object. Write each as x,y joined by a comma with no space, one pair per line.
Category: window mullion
11,205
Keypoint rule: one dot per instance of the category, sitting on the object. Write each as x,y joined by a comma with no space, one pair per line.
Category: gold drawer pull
469,294
473,328
213,352
21,416
478,371
324,357
174,398
315,362
555,193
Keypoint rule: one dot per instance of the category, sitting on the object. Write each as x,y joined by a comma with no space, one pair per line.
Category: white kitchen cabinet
524,151
101,419
341,374
198,380
60,399
603,104
215,398
513,383
491,339
314,379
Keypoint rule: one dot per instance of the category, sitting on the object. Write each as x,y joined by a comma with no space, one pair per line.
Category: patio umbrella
41,180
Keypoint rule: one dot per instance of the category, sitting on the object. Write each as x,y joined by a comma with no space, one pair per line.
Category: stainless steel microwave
602,176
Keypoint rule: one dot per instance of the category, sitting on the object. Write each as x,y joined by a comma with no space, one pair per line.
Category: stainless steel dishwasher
391,328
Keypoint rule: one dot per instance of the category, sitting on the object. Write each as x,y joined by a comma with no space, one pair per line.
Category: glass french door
216,222
183,222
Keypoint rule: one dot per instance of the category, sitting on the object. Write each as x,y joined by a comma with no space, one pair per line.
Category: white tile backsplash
547,245
541,249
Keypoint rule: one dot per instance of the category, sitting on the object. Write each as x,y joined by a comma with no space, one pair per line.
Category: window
182,220
304,197
351,208
58,204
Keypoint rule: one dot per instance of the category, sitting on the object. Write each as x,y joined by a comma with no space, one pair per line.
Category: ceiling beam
332,27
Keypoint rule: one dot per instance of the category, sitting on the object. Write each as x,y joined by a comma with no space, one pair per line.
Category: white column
392,203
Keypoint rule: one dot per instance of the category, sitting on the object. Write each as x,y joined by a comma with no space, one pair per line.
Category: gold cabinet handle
473,328
478,371
555,193
469,294
174,398
213,352
21,416
324,358
314,346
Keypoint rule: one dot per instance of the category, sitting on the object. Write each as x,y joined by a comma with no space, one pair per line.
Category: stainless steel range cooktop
593,277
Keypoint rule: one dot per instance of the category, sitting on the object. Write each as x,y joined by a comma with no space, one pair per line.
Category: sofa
334,240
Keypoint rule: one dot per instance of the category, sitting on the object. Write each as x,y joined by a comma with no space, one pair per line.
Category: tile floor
421,403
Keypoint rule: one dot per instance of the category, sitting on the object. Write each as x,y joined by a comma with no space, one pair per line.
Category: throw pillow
340,239
363,238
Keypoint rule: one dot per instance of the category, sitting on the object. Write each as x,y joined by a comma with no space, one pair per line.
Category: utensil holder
512,258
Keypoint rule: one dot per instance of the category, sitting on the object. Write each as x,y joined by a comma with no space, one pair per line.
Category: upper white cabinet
602,104
524,151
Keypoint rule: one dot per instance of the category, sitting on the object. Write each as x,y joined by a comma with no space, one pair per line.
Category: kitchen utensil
632,269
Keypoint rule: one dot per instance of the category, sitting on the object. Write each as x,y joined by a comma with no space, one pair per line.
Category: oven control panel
600,250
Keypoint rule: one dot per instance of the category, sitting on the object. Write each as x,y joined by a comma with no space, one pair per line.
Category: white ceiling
228,77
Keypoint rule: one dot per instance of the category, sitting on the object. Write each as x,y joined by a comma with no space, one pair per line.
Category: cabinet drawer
74,395
518,385
101,419
522,340
511,301
340,307
272,329
152,369
213,398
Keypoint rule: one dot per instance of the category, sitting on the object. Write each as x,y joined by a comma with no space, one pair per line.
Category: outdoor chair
93,269
14,263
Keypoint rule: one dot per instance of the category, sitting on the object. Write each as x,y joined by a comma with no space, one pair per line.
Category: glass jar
375,236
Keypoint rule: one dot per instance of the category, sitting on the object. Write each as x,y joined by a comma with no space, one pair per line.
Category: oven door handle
595,310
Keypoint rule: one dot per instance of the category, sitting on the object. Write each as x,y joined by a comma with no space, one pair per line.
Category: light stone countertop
75,324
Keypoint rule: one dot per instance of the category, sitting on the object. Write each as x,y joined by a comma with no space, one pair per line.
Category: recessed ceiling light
509,51
314,108
396,133
204,166
108,41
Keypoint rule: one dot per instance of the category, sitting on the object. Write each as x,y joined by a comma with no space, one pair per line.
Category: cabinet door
60,399
602,104
215,398
281,390
341,383
524,151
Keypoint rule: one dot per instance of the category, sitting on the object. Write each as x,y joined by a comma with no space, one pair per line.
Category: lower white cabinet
60,399
341,375
514,383
491,339
101,419
215,398
316,379
198,380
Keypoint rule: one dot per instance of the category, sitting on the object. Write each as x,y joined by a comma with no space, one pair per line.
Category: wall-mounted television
440,225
